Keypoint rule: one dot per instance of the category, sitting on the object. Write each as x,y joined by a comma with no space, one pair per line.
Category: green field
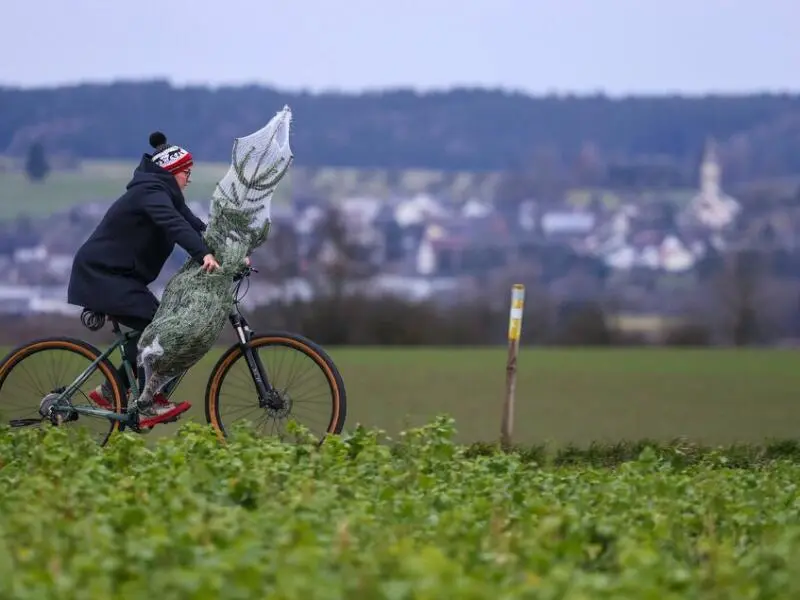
94,180
189,518
178,515
566,396
106,179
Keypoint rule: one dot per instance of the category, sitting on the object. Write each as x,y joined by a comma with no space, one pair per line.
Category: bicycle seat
95,320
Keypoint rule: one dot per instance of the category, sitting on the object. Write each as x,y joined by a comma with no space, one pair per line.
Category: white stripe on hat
169,156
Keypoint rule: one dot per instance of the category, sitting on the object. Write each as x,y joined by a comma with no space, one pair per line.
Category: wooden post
514,331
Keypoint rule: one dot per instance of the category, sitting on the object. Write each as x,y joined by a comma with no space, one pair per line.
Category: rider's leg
130,356
101,395
152,406
138,325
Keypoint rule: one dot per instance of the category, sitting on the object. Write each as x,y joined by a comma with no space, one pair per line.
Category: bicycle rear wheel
304,377
34,370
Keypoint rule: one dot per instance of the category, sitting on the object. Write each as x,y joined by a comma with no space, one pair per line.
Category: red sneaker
161,411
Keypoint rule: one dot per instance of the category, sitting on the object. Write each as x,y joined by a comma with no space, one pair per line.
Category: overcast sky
618,46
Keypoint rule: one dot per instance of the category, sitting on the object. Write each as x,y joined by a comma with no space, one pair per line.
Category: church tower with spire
710,172
711,207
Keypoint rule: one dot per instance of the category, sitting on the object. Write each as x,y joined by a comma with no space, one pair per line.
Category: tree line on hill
462,129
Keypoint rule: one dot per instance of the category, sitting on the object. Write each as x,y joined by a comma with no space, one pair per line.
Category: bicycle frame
244,333
65,395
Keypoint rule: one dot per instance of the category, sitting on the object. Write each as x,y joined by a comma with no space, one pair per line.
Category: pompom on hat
170,157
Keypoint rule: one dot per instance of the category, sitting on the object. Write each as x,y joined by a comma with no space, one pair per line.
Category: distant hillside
475,130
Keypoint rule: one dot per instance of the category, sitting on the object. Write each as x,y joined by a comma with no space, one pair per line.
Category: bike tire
271,339
76,346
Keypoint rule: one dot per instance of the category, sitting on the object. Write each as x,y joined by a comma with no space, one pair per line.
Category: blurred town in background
652,220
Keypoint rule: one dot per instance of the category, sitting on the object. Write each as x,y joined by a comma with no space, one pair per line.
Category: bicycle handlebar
246,272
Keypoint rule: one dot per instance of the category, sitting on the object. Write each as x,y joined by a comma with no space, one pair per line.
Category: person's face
183,178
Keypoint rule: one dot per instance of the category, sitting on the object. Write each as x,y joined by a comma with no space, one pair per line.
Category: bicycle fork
267,395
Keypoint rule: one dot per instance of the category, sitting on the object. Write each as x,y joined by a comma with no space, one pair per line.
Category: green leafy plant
364,516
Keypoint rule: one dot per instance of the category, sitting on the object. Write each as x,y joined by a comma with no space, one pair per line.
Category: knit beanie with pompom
170,157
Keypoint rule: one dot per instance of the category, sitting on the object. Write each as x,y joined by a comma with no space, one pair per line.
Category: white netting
195,304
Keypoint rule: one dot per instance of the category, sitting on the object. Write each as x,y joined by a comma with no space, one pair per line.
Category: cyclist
127,250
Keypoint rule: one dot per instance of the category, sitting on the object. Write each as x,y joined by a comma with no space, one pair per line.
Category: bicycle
56,405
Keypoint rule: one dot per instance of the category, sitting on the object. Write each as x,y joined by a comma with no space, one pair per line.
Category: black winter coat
128,249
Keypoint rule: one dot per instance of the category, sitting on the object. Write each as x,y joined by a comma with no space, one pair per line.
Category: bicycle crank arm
24,422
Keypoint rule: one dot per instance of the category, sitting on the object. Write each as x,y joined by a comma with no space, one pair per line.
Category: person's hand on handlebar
210,263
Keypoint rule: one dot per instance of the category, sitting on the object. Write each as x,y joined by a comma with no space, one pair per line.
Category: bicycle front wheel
308,387
43,368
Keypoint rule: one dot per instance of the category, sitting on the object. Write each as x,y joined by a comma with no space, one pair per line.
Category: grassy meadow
564,396
93,181
106,179
578,396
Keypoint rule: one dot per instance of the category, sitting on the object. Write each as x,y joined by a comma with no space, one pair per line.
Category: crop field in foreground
417,517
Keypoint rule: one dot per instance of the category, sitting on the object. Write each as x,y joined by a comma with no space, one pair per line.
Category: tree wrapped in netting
195,304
